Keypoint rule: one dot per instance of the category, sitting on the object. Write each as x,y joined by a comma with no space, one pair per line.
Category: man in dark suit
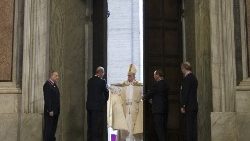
97,98
51,106
189,104
159,96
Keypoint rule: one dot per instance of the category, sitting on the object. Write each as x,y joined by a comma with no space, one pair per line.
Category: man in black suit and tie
159,96
51,106
97,98
189,104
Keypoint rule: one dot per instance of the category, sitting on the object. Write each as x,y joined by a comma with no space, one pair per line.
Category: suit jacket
51,98
98,94
189,92
159,95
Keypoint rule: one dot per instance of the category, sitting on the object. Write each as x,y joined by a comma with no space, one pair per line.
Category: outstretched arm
149,94
105,89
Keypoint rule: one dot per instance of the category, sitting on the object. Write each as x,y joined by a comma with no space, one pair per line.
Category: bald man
97,98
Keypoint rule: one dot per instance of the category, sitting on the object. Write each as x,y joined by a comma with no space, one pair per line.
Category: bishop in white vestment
125,111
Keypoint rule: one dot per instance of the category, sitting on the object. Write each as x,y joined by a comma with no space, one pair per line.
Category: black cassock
51,103
96,105
189,99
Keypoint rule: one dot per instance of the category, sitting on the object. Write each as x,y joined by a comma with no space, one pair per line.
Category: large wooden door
100,15
163,49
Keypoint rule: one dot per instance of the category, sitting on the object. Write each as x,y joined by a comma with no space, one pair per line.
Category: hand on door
183,111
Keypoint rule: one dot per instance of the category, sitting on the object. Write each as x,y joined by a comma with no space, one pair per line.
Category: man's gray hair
187,65
52,72
99,69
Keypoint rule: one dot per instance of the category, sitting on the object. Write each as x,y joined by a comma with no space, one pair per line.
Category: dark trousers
191,125
160,122
50,127
95,125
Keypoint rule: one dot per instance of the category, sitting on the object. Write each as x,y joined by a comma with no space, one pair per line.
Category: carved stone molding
13,86
244,85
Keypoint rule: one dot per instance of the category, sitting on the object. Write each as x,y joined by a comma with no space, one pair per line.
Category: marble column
243,89
243,38
35,67
35,54
203,67
223,55
245,83
223,69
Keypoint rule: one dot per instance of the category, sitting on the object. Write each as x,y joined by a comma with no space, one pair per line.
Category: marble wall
223,126
243,126
67,55
30,129
211,50
53,37
223,55
10,54
230,126
242,101
9,127
9,117
9,103
35,68
35,54
6,38
247,8
197,34
230,117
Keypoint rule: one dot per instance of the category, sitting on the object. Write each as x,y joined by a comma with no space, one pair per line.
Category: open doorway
124,44
125,39
162,48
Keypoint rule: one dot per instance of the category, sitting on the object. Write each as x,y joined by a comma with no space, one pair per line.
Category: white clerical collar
187,73
98,76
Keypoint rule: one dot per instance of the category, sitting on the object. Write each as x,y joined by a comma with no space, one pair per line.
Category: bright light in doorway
141,37
125,39
125,43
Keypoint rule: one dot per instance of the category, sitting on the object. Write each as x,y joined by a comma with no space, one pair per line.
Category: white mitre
132,69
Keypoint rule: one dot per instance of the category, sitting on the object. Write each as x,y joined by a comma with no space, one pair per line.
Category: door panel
100,9
163,49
